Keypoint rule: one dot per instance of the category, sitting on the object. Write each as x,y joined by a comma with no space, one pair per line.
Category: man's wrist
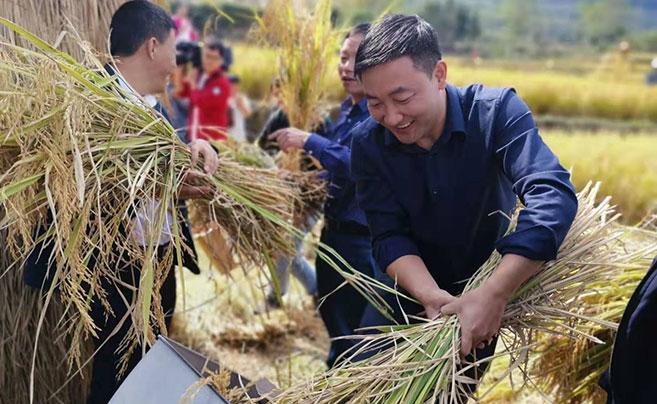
496,290
314,144
306,136
427,296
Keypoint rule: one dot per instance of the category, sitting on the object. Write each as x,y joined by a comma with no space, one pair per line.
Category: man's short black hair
134,23
360,29
397,36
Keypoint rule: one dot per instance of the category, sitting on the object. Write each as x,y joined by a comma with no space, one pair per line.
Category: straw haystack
48,18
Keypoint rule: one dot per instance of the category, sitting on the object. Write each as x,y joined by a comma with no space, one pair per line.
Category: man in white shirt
142,43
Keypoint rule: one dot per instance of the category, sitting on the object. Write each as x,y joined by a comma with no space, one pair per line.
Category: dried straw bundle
285,191
420,361
54,382
251,234
48,18
305,43
85,159
569,370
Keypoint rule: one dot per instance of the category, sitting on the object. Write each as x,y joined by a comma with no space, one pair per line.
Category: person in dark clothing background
142,42
297,265
632,372
345,228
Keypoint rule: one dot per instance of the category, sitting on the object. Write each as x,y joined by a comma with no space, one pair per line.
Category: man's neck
135,75
428,141
356,98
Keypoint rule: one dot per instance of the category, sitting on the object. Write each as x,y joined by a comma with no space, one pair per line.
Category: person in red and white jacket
208,95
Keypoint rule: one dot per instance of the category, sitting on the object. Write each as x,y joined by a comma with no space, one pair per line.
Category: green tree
522,30
604,22
454,23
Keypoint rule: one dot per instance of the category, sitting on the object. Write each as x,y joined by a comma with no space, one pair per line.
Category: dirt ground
216,315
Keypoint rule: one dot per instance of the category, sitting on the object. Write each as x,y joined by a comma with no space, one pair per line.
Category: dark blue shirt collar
454,123
348,104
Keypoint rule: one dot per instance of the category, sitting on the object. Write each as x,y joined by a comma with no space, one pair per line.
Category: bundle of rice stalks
569,370
89,160
247,228
420,362
305,43
298,191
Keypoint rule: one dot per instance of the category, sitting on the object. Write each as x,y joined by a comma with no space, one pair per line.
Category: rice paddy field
625,164
604,88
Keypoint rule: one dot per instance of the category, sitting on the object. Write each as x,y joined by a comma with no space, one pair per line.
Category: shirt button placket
433,186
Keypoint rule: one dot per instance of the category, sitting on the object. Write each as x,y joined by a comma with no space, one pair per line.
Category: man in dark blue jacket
345,227
632,372
143,44
438,170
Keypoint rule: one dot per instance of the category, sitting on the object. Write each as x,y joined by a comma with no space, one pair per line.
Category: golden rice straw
84,159
305,43
48,18
19,316
569,370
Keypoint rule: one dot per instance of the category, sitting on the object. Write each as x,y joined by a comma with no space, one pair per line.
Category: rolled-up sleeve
538,179
387,220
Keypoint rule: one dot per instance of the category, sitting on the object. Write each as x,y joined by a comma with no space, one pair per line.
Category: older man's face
164,58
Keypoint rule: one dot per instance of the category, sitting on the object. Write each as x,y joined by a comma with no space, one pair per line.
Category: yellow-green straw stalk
306,44
569,369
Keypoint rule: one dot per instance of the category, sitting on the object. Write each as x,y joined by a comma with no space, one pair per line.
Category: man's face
346,66
405,100
211,60
164,58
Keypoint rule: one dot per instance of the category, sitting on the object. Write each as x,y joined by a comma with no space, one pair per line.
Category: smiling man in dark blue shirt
345,228
438,169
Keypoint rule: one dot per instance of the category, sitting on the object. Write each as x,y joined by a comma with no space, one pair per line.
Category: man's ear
151,47
440,73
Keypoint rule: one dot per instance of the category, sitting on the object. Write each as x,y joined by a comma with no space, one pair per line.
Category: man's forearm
412,275
510,274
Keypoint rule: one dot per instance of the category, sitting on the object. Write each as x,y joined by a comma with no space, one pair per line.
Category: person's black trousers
342,310
107,361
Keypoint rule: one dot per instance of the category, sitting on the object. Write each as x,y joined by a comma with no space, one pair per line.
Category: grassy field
575,90
625,164
558,93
